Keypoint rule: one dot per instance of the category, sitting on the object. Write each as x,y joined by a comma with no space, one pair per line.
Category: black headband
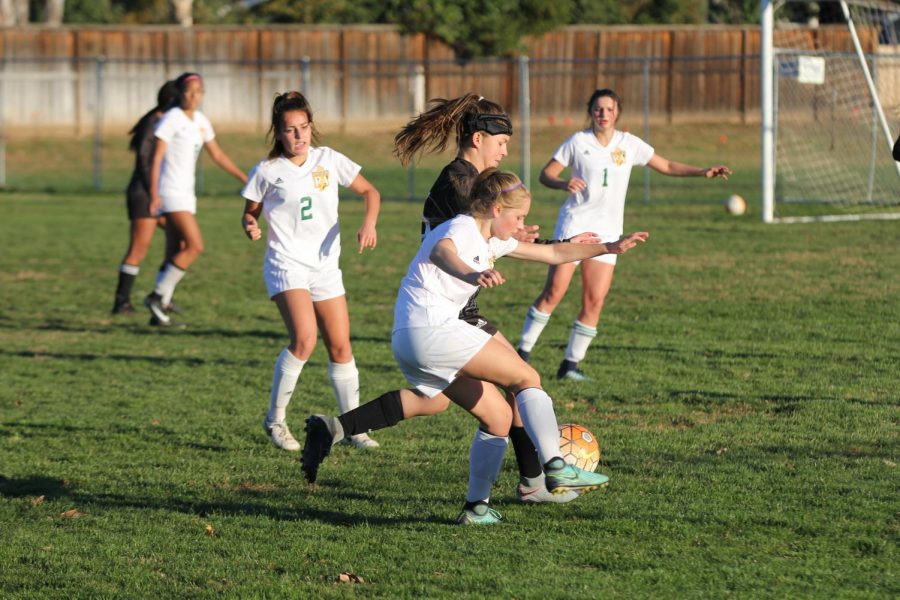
492,124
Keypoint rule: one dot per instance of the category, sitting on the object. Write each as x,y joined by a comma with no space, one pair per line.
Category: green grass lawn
745,396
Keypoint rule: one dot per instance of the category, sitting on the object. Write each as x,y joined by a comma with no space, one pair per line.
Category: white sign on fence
811,69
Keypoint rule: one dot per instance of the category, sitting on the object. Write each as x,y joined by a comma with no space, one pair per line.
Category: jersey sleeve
165,129
346,169
502,247
643,152
206,129
145,151
256,186
565,152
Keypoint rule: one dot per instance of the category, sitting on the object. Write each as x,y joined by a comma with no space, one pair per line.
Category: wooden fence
89,77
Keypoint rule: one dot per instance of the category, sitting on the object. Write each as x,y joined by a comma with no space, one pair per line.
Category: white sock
129,269
345,382
287,372
579,339
166,280
536,410
535,321
485,460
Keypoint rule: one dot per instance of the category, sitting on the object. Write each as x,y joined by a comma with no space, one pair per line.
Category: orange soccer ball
579,446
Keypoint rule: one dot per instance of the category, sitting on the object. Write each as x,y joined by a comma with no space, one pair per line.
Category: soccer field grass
745,396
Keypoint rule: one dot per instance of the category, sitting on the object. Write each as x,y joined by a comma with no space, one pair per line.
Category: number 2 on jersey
306,208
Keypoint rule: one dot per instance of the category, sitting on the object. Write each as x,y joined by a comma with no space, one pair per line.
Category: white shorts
170,204
430,357
322,285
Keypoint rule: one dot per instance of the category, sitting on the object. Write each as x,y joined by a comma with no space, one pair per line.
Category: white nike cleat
281,435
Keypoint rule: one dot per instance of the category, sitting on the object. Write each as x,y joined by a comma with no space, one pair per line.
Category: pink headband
191,78
512,187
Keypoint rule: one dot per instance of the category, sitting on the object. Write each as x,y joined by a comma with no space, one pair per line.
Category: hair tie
512,187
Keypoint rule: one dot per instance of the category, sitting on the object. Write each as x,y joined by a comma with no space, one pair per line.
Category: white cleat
362,441
281,435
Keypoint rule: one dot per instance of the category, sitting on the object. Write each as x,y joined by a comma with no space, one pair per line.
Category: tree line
474,28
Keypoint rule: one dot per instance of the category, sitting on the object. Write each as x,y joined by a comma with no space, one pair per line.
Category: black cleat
123,308
523,354
569,370
173,309
321,434
154,303
170,324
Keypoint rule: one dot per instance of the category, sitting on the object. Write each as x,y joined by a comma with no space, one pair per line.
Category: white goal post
830,100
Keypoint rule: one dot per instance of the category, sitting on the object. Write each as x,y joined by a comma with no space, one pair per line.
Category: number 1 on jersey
306,208
604,177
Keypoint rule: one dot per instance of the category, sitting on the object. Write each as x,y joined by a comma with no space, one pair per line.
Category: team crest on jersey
618,156
320,178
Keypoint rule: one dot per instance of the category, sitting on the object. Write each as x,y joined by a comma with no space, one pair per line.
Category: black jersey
449,194
143,144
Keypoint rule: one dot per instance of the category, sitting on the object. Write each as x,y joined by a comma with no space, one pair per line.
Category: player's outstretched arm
677,169
367,236
563,252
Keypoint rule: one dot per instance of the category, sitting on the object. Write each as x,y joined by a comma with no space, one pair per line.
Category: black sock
123,290
384,411
526,453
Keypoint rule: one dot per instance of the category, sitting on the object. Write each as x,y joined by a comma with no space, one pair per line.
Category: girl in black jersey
143,223
482,129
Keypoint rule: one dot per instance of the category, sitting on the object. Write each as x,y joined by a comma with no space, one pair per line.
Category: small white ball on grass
735,205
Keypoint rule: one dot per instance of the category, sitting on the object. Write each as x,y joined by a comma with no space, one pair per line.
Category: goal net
830,110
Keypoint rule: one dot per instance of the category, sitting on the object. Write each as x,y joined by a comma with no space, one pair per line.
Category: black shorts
137,198
471,315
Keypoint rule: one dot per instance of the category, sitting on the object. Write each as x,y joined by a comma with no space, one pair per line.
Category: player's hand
576,185
718,171
251,227
366,237
527,233
154,206
488,278
588,237
623,245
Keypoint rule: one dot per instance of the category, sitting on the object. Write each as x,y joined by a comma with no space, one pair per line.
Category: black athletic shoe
569,370
154,303
123,308
523,354
321,434
170,324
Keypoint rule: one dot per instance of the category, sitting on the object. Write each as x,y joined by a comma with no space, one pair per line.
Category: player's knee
528,377
340,353
303,346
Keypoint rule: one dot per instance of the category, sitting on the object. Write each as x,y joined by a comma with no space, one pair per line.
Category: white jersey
429,296
184,139
301,205
600,207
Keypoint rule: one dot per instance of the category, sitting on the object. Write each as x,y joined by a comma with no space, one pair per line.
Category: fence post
417,102
646,86
525,116
99,65
305,78
3,125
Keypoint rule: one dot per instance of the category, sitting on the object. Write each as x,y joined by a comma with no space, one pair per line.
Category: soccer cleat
170,324
321,434
123,308
281,435
362,441
534,490
562,477
153,302
569,370
523,354
480,514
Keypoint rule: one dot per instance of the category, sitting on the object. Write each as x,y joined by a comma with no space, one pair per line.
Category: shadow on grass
52,489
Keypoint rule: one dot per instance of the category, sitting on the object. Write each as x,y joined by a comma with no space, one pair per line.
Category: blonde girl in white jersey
446,359
296,188
181,134
600,161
